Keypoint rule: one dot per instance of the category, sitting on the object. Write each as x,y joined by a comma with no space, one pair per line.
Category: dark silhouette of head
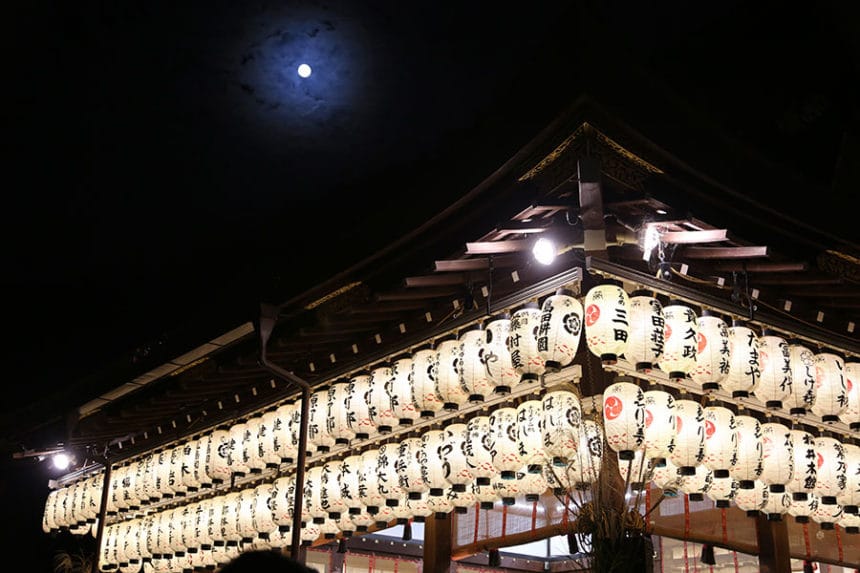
264,561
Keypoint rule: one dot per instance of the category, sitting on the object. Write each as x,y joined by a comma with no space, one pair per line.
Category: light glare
544,251
304,70
62,461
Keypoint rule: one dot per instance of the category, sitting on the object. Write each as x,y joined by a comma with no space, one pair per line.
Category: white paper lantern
283,494
523,345
743,361
560,329
146,483
381,401
606,325
645,341
624,418
425,367
331,492
256,463
802,362
689,448
403,392
497,356
712,352
721,440
360,417
562,418
777,505
408,465
667,477
530,434
752,499
636,471
162,476
695,486
350,488
230,518
830,478
825,514
319,435
659,432
262,516
774,382
777,457
533,485
362,520
214,521
801,509
368,483
310,532
804,464
329,529
747,467
449,359
461,501
338,420
440,504
245,523
849,499
202,468
473,370
478,449
584,469
387,480
503,442
680,340
419,507
485,495
830,389
850,416
454,456
203,530
237,455
849,522
285,441
433,469
722,491
312,494
509,489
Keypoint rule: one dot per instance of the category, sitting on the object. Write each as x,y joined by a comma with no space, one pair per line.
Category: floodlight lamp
61,460
544,251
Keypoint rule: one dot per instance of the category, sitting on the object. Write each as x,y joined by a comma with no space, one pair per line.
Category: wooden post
774,553
437,544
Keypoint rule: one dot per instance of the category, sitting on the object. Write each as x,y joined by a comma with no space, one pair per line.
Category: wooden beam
437,544
693,237
435,280
498,247
760,267
418,294
724,252
774,551
482,263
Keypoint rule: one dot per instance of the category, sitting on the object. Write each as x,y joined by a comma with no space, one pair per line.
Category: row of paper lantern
703,348
688,437
513,452
486,361
649,422
490,445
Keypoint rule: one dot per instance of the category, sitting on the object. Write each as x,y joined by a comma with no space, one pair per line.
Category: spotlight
544,251
62,460
304,70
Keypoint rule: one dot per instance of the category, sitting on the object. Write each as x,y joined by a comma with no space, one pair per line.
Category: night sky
167,170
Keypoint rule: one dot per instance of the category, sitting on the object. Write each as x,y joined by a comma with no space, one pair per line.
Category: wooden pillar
437,544
774,555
